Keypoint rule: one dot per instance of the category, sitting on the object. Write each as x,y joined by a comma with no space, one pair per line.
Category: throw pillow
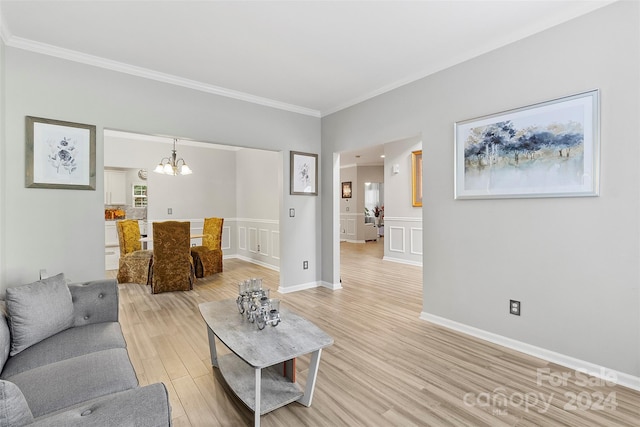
14,410
5,335
37,311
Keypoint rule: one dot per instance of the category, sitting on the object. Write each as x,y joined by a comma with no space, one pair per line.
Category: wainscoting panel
404,240
396,239
416,240
275,244
242,238
351,227
226,238
263,242
253,240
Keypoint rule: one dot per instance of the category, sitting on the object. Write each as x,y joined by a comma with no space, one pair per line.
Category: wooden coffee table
260,368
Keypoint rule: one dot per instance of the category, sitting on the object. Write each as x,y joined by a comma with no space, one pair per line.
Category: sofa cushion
37,311
140,407
64,345
69,382
14,411
5,335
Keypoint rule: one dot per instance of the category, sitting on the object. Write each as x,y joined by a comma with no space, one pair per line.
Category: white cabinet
111,246
115,187
111,257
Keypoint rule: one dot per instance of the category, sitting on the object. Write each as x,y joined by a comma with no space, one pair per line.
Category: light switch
292,212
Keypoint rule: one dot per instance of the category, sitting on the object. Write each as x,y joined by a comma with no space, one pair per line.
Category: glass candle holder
275,307
255,284
242,288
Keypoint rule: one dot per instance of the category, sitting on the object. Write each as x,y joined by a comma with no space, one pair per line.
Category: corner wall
572,262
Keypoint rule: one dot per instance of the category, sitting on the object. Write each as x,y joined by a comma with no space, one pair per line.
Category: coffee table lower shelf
276,389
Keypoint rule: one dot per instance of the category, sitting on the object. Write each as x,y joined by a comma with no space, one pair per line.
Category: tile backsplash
122,212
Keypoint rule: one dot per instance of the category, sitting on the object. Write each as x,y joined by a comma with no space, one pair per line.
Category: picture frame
60,154
549,149
346,190
416,178
303,174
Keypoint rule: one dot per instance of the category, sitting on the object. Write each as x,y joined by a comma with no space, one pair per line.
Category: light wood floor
386,368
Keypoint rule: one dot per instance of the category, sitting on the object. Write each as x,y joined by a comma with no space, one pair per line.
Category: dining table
146,239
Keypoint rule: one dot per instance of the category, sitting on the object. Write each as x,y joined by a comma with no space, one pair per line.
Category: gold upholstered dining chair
207,259
172,268
134,265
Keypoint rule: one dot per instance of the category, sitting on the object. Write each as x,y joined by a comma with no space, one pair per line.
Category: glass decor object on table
254,302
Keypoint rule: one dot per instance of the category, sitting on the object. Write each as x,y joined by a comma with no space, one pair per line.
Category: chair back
172,265
212,231
128,236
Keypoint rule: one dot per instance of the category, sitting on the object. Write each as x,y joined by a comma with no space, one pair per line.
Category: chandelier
173,166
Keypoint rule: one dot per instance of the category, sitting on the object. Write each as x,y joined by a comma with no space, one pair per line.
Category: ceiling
311,57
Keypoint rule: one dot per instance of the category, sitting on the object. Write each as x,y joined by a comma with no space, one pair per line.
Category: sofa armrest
141,407
94,302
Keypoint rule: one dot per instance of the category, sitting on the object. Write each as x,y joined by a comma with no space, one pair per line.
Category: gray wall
3,200
402,221
573,262
258,174
209,191
62,230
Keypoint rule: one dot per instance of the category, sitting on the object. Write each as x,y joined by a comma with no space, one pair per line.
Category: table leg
212,347
311,378
256,414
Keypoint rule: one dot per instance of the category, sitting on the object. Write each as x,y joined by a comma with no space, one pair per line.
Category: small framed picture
346,190
304,174
60,154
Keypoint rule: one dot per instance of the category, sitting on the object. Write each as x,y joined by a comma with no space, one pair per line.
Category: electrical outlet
514,307
258,248
305,265
169,211
43,274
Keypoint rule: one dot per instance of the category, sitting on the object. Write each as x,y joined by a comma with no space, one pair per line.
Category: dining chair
134,265
207,259
172,268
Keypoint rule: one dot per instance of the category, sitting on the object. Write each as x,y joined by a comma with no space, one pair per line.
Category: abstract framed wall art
550,149
60,154
304,174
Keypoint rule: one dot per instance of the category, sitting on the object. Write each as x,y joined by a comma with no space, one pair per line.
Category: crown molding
96,61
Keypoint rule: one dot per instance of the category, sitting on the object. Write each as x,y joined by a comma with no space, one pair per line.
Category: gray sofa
64,361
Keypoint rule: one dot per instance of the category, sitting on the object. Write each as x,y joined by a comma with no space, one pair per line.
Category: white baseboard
352,241
583,366
253,261
332,286
402,261
295,288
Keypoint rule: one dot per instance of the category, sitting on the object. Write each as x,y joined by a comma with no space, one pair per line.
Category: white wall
573,262
61,230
